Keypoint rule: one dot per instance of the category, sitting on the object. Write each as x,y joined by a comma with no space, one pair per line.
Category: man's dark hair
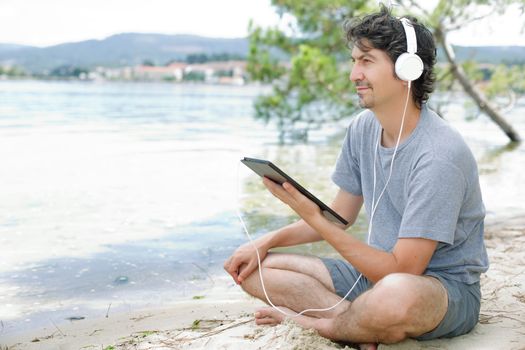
385,32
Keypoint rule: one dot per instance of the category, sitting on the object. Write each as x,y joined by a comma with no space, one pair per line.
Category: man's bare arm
410,255
244,260
345,204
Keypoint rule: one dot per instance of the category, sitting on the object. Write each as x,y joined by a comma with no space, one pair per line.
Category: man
420,270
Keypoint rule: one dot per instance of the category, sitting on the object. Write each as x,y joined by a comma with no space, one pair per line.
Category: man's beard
366,103
362,102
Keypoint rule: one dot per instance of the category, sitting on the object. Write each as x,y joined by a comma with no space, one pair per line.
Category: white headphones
409,65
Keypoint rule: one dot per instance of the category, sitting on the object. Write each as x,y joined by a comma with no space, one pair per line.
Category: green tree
312,86
452,15
68,71
12,71
217,57
197,58
148,63
194,76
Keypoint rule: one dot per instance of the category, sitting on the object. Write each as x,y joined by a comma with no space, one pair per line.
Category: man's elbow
411,266
413,269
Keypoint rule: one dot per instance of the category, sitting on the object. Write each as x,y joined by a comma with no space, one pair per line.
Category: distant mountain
491,54
119,50
134,48
12,47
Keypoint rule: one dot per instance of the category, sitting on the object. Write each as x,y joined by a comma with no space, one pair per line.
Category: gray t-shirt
433,193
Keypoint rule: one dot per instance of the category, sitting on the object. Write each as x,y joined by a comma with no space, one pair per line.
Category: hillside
490,54
12,47
119,50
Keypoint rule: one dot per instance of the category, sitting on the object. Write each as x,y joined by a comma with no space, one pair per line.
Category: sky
51,22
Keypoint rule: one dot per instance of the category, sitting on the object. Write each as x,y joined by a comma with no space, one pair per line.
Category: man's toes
265,313
368,346
268,316
266,321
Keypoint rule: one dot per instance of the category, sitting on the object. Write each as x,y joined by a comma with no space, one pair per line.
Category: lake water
126,194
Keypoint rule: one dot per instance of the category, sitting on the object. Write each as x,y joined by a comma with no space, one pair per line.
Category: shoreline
224,318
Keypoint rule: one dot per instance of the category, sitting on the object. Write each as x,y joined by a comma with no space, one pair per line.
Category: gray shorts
463,299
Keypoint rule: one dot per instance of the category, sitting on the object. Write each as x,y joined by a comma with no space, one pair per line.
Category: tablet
267,169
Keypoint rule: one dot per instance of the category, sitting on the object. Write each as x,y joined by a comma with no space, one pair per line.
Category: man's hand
244,261
293,198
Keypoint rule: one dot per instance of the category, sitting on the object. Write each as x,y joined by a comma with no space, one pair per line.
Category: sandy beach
222,319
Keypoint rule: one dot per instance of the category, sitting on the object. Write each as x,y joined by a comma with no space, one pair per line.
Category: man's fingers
227,263
277,190
291,190
233,269
247,271
271,186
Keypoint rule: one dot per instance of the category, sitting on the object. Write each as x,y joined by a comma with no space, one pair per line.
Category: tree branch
415,4
472,91
467,22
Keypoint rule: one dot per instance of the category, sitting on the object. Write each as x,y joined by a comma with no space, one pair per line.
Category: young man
420,270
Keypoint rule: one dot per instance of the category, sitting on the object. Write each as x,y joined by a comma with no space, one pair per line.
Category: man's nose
356,74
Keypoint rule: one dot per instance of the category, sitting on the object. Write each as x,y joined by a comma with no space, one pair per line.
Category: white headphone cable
374,207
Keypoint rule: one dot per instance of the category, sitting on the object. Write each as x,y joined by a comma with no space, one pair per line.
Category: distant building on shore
173,71
227,72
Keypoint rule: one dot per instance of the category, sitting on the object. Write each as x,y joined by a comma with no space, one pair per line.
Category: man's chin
364,104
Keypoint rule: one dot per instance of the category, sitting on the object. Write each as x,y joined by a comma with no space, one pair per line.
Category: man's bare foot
270,316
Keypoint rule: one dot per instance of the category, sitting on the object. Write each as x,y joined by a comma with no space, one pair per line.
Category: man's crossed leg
397,307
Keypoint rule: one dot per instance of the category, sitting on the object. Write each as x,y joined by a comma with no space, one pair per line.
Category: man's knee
252,283
272,279
389,306
392,294
282,261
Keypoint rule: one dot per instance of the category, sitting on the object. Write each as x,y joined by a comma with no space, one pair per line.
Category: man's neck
390,119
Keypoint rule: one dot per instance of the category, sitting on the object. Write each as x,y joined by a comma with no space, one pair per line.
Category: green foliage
194,76
312,88
473,71
68,71
148,63
224,73
307,66
314,92
196,324
12,71
506,78
262,66
220,57
493,80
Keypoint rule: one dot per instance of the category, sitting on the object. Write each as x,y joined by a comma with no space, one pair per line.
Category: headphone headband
410,34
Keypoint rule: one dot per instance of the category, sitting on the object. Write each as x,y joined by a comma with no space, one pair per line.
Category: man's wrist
267,241
319,222
278,237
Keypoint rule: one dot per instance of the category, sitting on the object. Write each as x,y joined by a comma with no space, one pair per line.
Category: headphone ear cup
409,66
